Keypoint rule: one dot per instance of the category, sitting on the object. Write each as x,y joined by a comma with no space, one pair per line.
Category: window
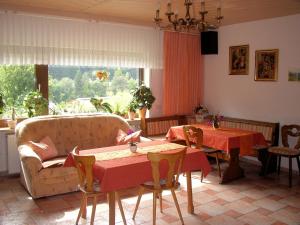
16,82
72,87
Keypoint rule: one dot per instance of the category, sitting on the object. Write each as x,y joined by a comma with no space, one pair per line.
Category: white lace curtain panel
30,39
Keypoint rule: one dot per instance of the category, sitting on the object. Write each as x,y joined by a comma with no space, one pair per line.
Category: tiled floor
249,201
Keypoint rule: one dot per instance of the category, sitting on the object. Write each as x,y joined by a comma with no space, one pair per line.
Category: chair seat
150,185
96,188
284,151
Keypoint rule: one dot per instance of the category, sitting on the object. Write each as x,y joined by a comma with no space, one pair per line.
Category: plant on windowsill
132,107
35,104
2,105
100,105
13,121
142,95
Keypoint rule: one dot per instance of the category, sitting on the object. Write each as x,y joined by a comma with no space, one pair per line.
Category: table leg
189,192
233,171
111,204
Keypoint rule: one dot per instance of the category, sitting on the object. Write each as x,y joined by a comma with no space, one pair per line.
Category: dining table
117,168
234,142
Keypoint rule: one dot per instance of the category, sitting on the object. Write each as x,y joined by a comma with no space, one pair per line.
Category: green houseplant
35,104
132,107
2,104
142,95
100,105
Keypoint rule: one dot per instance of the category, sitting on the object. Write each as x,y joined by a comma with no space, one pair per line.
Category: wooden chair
174,161
194,135
286,151
88,186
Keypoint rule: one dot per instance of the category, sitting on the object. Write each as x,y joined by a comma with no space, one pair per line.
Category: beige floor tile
255,218
269,204
241,206
286,216
230,196
212,209
223,220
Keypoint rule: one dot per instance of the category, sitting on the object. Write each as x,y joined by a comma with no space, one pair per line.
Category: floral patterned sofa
46,178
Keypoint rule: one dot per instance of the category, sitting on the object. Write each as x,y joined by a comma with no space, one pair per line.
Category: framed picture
266,65
294,75
239,60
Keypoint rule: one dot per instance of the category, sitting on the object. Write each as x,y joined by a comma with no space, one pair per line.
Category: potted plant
13,121
35,104
2,105
142,95
100,105
132,107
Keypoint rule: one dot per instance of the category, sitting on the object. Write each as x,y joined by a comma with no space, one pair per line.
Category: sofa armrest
30,161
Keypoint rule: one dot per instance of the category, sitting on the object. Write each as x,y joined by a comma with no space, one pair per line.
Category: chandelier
188,23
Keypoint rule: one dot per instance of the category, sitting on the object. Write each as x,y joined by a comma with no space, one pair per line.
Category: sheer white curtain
31,39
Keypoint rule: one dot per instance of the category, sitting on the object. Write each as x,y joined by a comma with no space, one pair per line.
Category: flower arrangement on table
215,120
132,144
200,112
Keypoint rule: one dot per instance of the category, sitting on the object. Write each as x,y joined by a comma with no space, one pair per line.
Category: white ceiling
141,12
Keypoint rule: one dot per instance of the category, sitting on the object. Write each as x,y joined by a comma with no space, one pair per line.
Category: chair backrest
84,165
174,161
193,135
292,131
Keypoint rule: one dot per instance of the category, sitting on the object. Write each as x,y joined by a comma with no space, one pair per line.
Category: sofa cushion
124,138
45,149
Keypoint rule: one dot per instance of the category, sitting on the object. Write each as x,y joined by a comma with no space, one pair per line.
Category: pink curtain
183,73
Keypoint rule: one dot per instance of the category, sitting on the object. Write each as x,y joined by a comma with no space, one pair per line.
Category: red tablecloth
223,138
132,171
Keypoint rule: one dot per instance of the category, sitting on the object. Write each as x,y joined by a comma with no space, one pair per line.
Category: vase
132,147
131,115
12,124
216,124
142,113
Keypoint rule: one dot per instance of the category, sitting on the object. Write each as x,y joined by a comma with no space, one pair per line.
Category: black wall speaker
209,42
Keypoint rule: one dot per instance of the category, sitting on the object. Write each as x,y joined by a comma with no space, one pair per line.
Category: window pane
16,82
72,87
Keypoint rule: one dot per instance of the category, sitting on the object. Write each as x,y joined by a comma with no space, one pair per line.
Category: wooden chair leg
218,164
267,164
177,205
80,209
83,212
298,162
160,202
93,209
141,191
290,171
201,176
121,208
154,208
279,164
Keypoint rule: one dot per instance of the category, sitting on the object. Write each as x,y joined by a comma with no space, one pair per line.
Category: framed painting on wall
266,65
239,60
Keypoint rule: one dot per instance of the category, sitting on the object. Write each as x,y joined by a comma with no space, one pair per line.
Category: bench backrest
268,129
161,125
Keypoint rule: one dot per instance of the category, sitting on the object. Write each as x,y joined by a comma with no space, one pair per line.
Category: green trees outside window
15,83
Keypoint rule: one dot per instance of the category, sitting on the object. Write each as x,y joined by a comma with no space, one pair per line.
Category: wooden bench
268,129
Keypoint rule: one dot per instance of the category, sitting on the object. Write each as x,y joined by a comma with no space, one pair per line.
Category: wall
239,95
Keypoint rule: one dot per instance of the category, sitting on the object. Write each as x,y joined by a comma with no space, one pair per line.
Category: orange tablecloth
223,138
132,171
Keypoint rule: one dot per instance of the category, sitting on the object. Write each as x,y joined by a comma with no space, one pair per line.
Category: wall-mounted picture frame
266,65
239,60
294,75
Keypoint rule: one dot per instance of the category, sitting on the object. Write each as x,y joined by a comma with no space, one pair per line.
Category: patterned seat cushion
284,151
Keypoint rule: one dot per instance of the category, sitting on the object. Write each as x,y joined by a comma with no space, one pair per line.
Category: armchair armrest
30,161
